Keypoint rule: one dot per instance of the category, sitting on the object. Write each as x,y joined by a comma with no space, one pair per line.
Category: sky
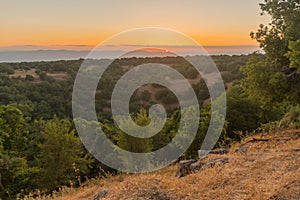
80,23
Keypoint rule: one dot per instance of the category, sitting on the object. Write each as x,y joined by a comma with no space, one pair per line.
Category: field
22,73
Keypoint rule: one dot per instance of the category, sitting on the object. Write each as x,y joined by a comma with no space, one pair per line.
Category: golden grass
22,73
266,170
59,76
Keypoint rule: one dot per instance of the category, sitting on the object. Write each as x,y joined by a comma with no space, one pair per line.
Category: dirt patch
23,73
59,76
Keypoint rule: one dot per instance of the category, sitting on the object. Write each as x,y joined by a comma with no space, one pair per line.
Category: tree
61,155
14,170
43,75
243,114
6,68
29,78
294,54
277,78
134,144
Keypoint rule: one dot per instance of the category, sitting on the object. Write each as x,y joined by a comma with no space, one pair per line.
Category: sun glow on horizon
89,23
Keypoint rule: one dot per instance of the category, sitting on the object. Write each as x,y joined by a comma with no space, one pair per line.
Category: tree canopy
276,78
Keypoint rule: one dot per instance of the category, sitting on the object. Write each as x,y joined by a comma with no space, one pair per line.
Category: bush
43,76
291,119
29,78
5,68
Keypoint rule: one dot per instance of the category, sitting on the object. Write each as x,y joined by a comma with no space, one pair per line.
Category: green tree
275,78
14,170
294,54
29,78
134,144
61,155
6,68
243,113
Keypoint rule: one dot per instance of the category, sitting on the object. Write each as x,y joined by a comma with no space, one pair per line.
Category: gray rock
100,195
195,166
202,154
190,166
184,167
219,151
242,150
213,162
160,196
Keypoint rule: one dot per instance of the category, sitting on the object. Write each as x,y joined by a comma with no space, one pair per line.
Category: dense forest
40,149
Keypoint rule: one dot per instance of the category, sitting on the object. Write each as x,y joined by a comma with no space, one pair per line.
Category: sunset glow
48,23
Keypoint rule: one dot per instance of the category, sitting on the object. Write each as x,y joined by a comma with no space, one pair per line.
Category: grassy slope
269,170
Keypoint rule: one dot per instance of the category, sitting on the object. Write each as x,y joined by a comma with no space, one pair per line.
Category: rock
153,193
160,196
184,168
242,150
202,154
213,162
219,151
100,195
190,166
195,166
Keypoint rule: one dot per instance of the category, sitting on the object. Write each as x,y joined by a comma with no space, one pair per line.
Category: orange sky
79,22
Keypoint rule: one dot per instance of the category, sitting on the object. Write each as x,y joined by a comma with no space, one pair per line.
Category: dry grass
23,73
268,170
59,76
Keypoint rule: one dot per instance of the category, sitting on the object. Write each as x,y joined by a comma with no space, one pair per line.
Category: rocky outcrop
191,166
100,195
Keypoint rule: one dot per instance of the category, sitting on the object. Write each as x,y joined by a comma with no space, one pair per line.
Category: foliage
291,119
134,144
29,78
294,54
6,68
243,114
61,155
44,156
39,151
277,78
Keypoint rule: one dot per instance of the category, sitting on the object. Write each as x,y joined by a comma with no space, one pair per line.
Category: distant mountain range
39,53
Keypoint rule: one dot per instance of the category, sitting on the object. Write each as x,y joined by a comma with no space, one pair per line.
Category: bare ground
23,73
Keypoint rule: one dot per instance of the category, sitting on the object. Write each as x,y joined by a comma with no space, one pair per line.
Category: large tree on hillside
275,77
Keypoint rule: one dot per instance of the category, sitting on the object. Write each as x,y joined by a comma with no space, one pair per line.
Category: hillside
259,167
47,86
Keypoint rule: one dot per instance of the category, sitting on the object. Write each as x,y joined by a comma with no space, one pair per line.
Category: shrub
29,78
5,68
291,119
